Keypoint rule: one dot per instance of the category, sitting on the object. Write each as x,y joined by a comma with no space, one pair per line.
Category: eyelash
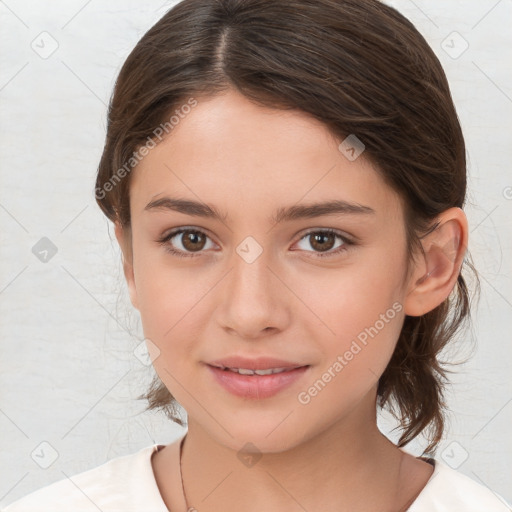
180,254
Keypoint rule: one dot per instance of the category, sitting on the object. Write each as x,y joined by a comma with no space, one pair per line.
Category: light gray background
69,374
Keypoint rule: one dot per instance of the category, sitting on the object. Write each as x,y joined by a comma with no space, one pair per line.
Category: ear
436,272
124,238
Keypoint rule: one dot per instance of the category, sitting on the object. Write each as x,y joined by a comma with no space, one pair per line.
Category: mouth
256,383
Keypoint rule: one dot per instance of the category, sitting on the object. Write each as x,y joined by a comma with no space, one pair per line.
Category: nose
254,300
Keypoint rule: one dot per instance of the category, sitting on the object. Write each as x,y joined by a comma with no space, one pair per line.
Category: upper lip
254,363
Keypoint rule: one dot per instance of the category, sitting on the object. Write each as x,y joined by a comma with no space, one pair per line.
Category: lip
257,387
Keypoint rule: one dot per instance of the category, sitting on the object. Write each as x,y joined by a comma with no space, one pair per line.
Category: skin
247,161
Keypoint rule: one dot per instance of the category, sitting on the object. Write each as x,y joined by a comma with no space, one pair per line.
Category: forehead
229,151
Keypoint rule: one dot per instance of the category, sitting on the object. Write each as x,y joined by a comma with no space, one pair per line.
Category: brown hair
360,68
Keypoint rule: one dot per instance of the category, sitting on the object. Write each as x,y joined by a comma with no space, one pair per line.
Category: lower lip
256,386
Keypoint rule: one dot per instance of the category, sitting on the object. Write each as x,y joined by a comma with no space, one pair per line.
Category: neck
350,466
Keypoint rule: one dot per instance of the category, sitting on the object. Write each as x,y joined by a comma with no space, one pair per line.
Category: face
319,289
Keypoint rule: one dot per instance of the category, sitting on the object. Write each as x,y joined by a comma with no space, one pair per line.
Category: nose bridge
251,273
251,299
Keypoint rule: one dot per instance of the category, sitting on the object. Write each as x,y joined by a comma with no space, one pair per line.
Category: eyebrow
295,212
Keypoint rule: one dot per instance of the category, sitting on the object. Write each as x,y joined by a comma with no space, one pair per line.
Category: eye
191,240
324,240
194,240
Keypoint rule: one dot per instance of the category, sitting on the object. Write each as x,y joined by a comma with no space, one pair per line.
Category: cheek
172,303
353,362
365,337
169,301
353,296
169,306
167,289
362,316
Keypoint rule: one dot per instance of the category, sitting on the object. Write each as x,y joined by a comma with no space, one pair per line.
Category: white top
127,484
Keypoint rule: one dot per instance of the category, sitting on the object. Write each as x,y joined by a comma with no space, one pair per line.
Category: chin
258,435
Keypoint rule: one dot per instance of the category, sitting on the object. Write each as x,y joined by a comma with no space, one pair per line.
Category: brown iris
193,240
318,241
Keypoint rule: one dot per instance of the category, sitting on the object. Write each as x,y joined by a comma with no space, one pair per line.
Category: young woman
286,181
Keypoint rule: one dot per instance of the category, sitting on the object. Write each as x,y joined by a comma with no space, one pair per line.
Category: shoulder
448,490
120,485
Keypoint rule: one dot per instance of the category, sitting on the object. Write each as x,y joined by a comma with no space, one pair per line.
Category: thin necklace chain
187,508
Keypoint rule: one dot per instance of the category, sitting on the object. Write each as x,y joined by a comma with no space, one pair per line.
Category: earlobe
123,236
437,270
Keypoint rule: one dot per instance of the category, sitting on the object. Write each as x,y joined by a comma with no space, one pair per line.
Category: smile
256,384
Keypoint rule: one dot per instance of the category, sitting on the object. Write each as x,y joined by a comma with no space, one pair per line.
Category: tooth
243,371
264,372
246,371
267,372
